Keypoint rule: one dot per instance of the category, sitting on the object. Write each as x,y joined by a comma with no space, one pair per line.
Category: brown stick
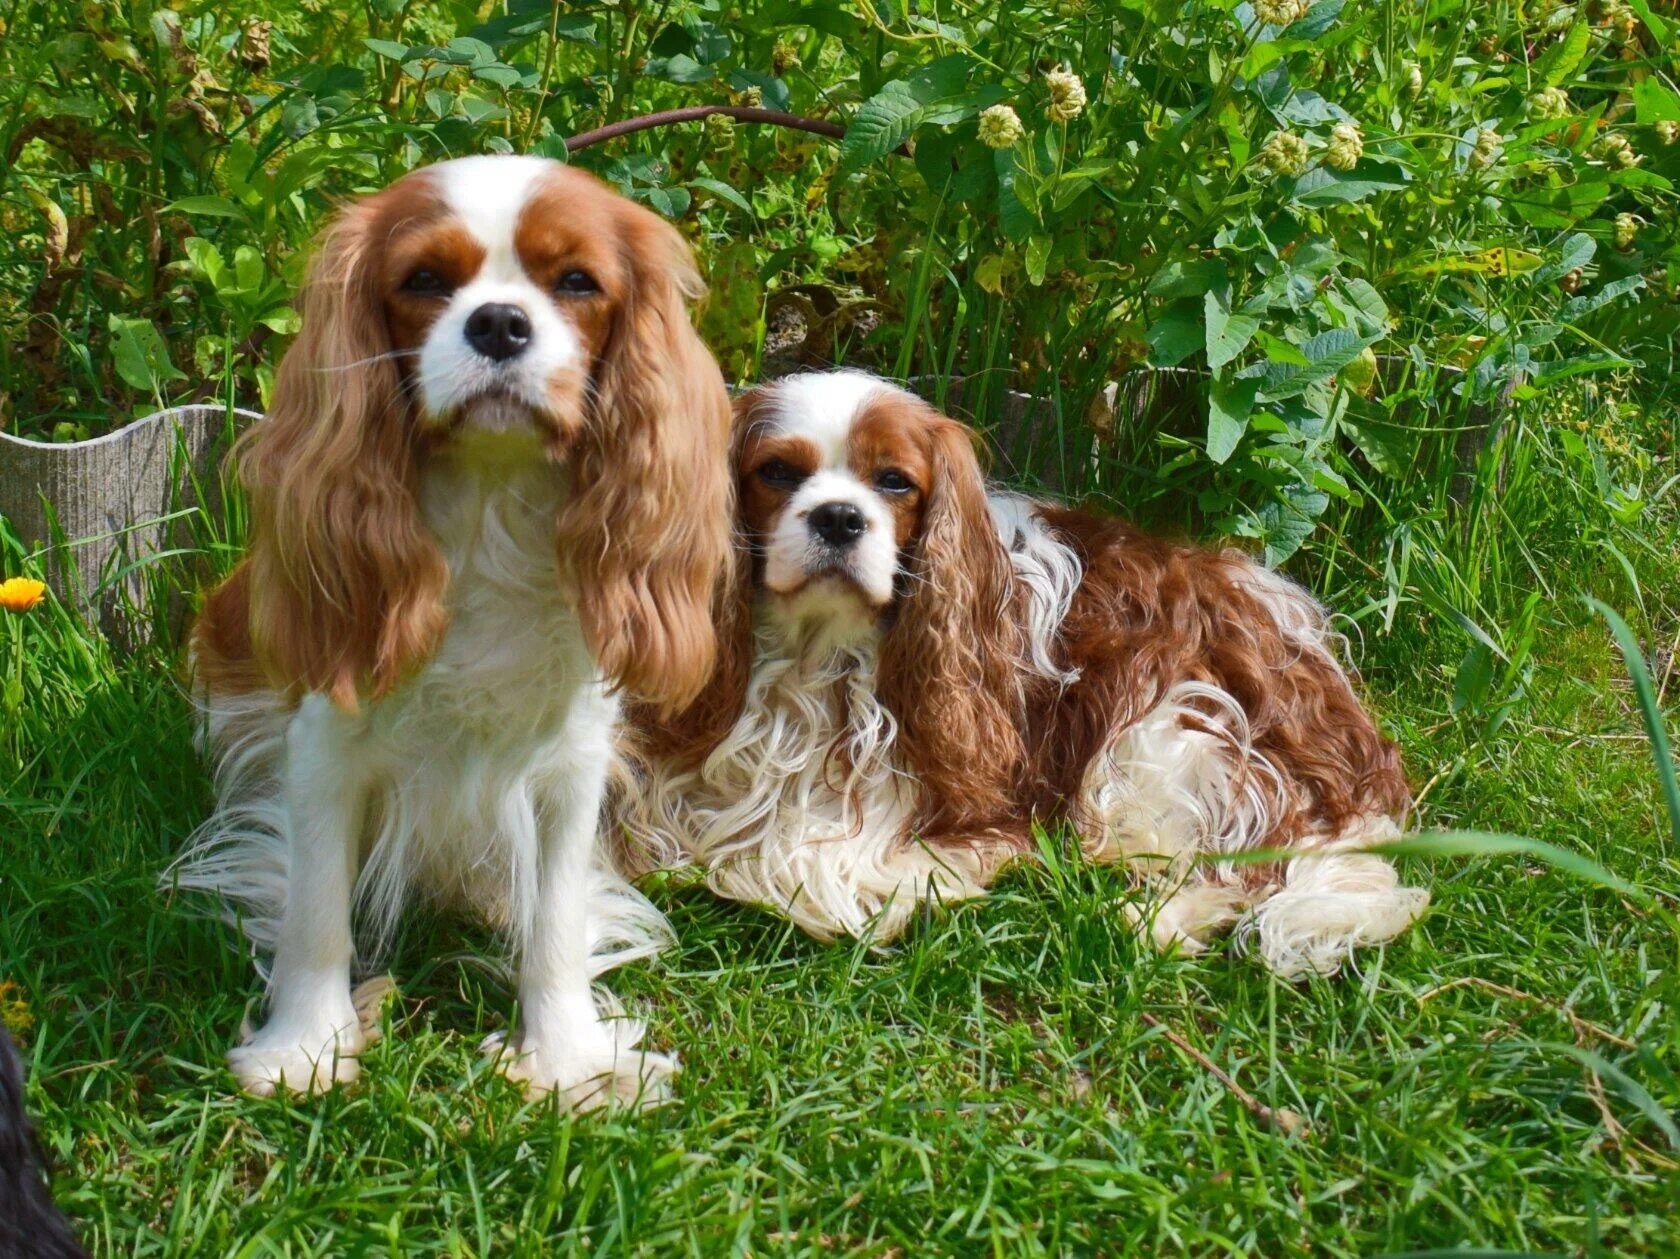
690,113
1286,1121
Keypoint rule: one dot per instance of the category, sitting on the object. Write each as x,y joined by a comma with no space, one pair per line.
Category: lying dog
31,1227
917,668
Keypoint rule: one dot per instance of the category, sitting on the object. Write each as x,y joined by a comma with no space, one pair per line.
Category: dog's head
506,301
867,518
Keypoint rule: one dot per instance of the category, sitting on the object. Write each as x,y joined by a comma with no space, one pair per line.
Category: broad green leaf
140,356
1367,302
1230,403
1563,58
207,261
1323,186
1586,303
1320,18
1656,25
212,207
1016,217
1577,252
1176,335
1326,354
1655,101
1037,258
722,191
386,48
1190,277
1228,334
887,119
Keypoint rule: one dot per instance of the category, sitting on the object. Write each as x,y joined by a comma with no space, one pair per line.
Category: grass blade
1647,693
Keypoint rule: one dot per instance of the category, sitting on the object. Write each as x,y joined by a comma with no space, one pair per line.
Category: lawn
1403,283
1020,1075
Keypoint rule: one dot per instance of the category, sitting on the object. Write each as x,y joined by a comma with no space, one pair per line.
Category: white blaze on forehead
487,193
822,406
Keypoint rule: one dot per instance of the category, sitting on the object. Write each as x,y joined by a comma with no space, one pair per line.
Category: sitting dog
915,669
31,1227
489,501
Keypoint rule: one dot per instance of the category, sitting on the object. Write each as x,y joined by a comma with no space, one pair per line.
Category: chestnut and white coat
489,505
915,669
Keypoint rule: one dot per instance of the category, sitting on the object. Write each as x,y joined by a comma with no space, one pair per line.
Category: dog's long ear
645,534
346,586
687,736
950,662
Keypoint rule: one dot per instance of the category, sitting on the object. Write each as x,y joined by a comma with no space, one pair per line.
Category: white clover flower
1284,153
1345,146
1067,96
1549,103
1614,150
1485,152
1000,127
1280,12
1413,79
1668,132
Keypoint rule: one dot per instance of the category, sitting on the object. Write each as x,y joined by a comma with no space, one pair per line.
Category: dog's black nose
499,331
838,524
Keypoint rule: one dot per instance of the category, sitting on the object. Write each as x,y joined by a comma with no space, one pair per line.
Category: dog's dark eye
576,283
424,283
779,474
892,481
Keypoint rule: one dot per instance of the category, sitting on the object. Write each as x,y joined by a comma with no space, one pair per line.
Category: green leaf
1230,403
247,268
887,119
1578,251
722,191
1320,18
1227,334
1586,303
1190,277
211,207
387,49
1563,58
1326,354
1037,258
1176,335
1323,186
501,76
140,356
207,261
1654,101
1367,303
1016,218
1656,25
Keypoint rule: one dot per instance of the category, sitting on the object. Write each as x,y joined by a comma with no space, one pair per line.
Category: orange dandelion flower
19,594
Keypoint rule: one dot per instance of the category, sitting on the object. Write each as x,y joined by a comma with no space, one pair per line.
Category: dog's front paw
307,1058
600,1076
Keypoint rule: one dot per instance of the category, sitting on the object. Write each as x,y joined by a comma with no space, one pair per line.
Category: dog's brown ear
345,584
646,533
686,737
950,661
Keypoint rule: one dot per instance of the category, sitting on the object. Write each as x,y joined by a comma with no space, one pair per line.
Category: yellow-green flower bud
1345,146
1067,96
1000,127
1284,153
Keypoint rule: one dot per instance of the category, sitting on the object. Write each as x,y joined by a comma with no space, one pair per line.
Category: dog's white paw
588,1080
310,1058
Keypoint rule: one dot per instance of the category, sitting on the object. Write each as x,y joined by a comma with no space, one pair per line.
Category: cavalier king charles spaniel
916,668
490,504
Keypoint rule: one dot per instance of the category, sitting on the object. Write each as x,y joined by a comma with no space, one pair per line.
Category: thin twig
1581,1025
1290,1123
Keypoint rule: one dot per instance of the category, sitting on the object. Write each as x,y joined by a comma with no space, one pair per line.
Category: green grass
991,1084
